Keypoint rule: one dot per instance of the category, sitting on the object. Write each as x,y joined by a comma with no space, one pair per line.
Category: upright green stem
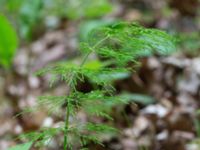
66,125
68,110
66,129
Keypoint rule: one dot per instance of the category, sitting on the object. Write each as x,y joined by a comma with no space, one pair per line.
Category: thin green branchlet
115,46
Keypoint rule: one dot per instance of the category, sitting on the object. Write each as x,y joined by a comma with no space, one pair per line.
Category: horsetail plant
118,45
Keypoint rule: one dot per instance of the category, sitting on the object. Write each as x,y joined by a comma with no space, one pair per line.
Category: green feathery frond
125,42
41,137
117,45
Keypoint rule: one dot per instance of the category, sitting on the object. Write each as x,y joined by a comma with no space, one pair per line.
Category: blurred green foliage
76,9
25,14
94,8
31,14
8,42
138,98
25,146
87,26
189,43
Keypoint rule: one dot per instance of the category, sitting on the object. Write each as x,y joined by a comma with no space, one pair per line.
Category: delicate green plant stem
85,59
66,125
68,109
66,128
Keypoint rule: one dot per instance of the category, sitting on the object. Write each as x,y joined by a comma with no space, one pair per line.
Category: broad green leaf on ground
25,146
8,42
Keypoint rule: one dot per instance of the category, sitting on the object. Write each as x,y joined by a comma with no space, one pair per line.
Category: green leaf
140,98
88,26
93,65
25,146
8,42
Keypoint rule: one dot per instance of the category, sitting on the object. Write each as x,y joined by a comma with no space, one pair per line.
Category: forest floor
170,122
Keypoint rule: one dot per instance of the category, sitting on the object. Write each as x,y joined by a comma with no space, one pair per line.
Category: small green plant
119,45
